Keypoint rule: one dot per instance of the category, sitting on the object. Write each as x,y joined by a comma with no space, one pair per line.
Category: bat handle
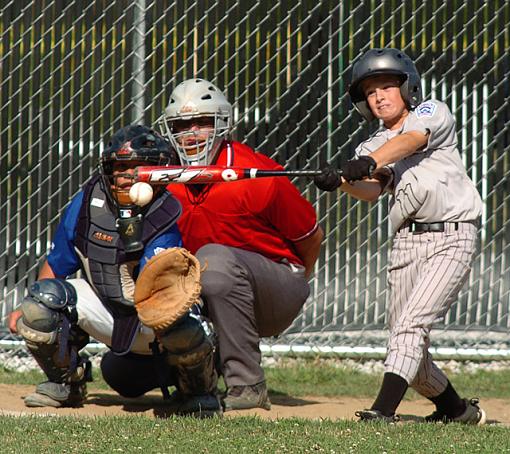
254,173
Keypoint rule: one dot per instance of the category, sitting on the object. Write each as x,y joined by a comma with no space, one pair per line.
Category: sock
449,402
391,394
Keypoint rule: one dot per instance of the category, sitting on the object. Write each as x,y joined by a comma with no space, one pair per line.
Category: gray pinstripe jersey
431,185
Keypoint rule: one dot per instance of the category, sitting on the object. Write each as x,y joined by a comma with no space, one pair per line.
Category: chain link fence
74,71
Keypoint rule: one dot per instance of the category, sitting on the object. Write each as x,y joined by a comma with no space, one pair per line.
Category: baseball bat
155,175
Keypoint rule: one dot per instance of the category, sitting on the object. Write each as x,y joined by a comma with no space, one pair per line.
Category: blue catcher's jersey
63,258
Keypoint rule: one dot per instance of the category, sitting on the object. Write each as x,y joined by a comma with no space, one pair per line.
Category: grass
29,435
132,434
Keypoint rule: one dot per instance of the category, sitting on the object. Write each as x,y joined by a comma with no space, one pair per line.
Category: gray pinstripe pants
426,273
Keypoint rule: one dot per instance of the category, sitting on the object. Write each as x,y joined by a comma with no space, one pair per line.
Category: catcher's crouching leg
48,325
190,346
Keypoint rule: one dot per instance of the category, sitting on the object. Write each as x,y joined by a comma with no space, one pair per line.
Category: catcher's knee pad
48,325
42,310
190,346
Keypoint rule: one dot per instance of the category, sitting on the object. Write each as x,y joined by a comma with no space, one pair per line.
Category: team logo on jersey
426,109
158,250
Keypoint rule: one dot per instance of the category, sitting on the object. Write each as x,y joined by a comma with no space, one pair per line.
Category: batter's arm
370,189
393,150
367,190
44,273
399,147
308,250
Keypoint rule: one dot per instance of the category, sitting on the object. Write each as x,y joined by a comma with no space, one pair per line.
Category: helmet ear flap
411,93
364,110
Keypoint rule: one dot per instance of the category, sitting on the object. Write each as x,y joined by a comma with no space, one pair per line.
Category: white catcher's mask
193,99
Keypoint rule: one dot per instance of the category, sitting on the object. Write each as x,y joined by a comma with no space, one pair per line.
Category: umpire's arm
308,250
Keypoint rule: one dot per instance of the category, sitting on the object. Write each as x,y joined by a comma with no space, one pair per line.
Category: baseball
141,193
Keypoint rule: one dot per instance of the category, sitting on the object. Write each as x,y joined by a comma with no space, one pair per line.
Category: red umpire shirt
265,215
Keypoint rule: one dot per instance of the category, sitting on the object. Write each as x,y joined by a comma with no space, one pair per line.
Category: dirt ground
103,402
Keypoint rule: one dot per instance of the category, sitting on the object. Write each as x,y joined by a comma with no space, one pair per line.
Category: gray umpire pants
247,297
426,273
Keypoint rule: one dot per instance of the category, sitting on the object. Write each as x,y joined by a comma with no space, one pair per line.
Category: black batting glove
329,179
359,168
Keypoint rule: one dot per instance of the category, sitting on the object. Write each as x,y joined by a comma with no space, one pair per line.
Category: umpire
434,212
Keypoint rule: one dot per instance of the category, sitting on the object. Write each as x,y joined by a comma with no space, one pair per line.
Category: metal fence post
138,87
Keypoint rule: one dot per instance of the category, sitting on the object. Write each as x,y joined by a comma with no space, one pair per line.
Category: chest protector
101,249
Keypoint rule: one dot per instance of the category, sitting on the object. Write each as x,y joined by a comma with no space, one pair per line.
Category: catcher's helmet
136,143
197,98
380,62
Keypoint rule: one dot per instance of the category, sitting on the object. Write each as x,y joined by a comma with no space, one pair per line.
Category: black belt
428,226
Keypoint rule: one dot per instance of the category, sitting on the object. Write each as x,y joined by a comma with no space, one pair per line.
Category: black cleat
472,415
376,415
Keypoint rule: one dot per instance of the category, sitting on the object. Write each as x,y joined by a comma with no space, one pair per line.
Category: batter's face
384,99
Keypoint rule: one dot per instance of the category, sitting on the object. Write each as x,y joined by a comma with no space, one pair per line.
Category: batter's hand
359,168
329,179
13,318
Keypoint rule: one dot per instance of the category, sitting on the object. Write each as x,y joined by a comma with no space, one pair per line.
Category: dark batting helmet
136,143
385,61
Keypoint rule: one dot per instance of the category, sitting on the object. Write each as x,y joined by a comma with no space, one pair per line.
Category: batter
434,213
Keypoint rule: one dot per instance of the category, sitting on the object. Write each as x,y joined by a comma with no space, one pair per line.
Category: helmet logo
125,149
190,107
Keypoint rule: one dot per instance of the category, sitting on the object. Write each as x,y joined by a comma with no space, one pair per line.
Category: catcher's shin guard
48,325
190,349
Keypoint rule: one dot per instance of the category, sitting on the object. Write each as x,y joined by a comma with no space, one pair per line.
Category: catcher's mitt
167,287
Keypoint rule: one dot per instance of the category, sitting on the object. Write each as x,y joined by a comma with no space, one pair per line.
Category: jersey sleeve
171,238
435,119
360,150
62,257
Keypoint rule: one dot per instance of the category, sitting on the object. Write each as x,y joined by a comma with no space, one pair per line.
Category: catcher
139,294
